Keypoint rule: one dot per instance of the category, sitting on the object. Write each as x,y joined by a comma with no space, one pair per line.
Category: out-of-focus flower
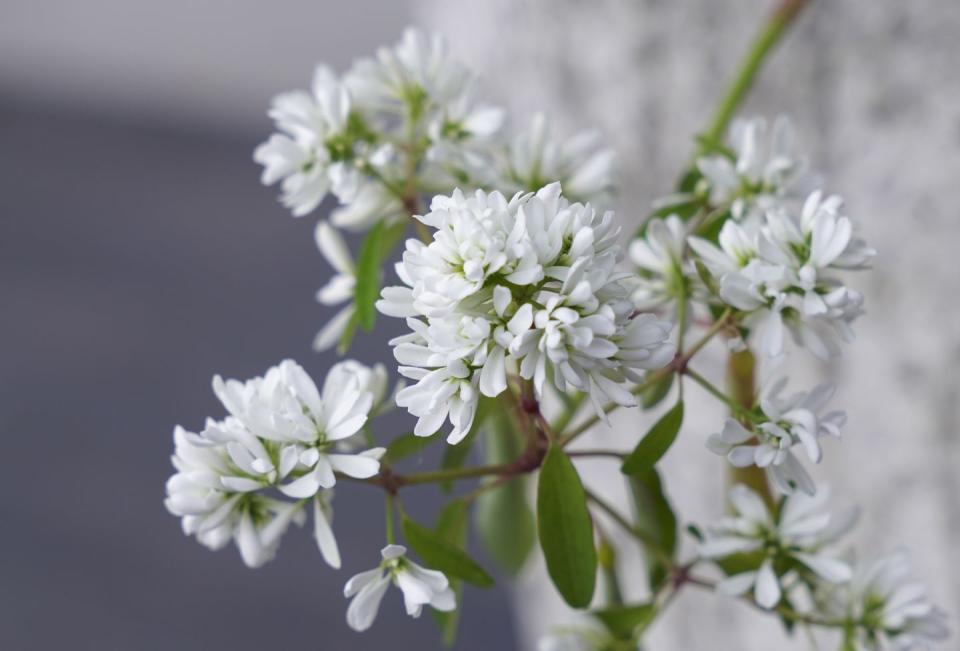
536,157
886,608
659,258
791,541
758,171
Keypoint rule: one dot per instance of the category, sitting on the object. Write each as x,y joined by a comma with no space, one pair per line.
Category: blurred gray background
139,255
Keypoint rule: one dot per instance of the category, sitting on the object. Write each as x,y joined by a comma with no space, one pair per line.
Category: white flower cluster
789,421
528,284
781,273
788,545
282,434
758,172
342,138
887,609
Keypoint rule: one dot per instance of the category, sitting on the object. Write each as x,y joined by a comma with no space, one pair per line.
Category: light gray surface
875,92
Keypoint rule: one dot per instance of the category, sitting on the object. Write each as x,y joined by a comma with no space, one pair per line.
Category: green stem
651,545
388,518
741,369
761,47
736,408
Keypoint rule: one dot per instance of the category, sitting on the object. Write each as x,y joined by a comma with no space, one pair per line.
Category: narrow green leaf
623,621
655,517
368,277
566,530
406,445
503,518
656,442
444,556
655,394
452,527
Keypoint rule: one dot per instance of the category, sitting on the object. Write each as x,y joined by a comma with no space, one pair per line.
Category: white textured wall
875,90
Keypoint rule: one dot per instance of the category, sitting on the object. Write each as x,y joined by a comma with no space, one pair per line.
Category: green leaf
405,445
376,246
623,621
503,518
655,517
656,442
439,554
566,530
368,277
655,393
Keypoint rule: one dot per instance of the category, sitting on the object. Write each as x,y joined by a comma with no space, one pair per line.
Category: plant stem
651,545
741,369
388,518
761,47
736,408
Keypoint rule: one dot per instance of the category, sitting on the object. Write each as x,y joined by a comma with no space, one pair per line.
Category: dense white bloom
216,513
528,283
659,258
760,171
887,609
420,586
791,421
281,433
791,541
780,272
535,157
318,140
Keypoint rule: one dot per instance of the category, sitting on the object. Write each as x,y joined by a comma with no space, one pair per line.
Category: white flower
536,157
779,272
416,72
216,513
339,288
791,541
887,609
421,587
659,257
318,140
791,421
760,171
527,285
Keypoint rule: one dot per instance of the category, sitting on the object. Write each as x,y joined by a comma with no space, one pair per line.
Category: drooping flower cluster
528,284
784,545
420,586
781,273
282,434
790,421
885,608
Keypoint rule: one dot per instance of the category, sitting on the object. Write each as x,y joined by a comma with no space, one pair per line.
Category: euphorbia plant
516,288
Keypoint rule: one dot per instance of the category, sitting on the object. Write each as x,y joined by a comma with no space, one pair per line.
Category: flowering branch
516,287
